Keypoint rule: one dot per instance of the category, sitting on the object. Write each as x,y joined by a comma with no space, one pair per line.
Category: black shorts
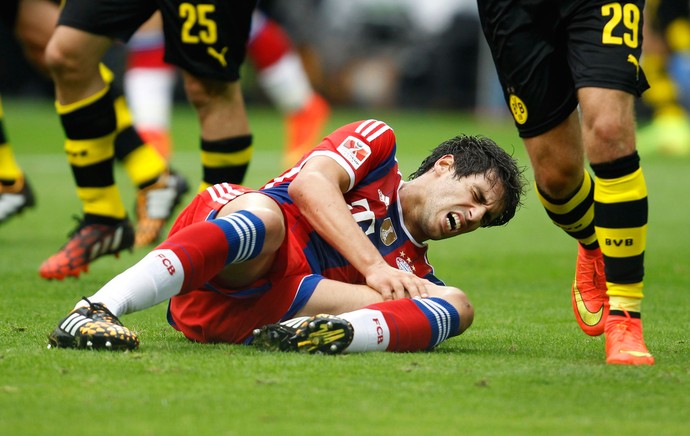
544,50
205,38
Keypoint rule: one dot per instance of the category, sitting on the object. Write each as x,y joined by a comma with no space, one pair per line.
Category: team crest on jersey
518,108
354,150
403,265
387,232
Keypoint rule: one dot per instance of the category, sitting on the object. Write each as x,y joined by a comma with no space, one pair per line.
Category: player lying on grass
340,233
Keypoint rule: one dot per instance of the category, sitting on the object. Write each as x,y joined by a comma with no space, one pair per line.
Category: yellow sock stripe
219,160
579,197
106,73
9,168
104,201
67,108
84,152
124,116
627,188
621,243
202,186
562,214
629,296
144,164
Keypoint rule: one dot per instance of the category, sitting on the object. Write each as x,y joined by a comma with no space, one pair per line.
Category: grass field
523,368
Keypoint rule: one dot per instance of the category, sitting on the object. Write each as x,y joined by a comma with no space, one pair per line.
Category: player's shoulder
370,129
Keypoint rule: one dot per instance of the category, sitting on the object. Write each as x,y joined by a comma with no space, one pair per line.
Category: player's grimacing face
456,206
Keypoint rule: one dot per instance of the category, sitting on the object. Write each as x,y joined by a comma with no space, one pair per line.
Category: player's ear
444,163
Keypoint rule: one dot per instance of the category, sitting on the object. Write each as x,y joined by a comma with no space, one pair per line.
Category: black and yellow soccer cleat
92,327
320,334
275,337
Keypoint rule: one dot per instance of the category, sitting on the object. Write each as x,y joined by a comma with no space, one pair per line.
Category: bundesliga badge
354,151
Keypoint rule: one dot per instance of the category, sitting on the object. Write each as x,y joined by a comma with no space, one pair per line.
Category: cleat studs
334,348
108,344
312,325
50,346
330,325
89,344
256,331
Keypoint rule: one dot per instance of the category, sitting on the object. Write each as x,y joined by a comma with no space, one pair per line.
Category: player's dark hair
481,155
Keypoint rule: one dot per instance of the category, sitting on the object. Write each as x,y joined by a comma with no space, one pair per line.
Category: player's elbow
461,303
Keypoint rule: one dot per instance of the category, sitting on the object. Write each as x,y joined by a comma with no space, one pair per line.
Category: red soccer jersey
366,150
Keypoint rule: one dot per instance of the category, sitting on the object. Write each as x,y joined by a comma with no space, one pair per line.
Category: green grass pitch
523,368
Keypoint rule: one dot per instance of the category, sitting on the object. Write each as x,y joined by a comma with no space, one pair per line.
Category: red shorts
217,314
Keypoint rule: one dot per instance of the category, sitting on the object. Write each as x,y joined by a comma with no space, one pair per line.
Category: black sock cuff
227,145
618,168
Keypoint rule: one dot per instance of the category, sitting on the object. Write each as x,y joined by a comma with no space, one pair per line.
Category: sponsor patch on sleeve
354,151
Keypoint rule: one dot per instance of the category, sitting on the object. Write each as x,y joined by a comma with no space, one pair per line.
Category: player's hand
394,284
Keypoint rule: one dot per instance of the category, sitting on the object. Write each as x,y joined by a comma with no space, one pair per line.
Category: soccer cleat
87,243
320,334
624,341
274,337
155,205
304,128
590,302
15,198
92,327
158,139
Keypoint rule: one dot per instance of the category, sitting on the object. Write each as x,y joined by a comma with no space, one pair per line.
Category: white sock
149,96
286,83
371,331
154,279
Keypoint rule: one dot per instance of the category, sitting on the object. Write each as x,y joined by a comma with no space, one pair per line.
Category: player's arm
318,192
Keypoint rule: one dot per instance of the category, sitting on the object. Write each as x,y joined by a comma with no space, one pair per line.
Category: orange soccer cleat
624,342
304,128
590,302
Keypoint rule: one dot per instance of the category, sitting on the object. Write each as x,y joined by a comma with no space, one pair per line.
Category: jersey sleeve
361,148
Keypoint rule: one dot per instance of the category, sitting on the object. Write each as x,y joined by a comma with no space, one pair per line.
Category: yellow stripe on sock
219,160
627,188
625,297
122,113
622,242
9,168
71,107
144,164
578,198
85,152
102,201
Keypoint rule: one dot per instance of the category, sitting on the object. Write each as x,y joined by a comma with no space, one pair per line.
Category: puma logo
633,60
218,55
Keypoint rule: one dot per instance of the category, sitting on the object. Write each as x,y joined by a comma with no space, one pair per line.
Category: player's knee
459,300
202,92
274,223
62,62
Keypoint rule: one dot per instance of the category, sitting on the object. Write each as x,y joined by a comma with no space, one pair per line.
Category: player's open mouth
454,221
